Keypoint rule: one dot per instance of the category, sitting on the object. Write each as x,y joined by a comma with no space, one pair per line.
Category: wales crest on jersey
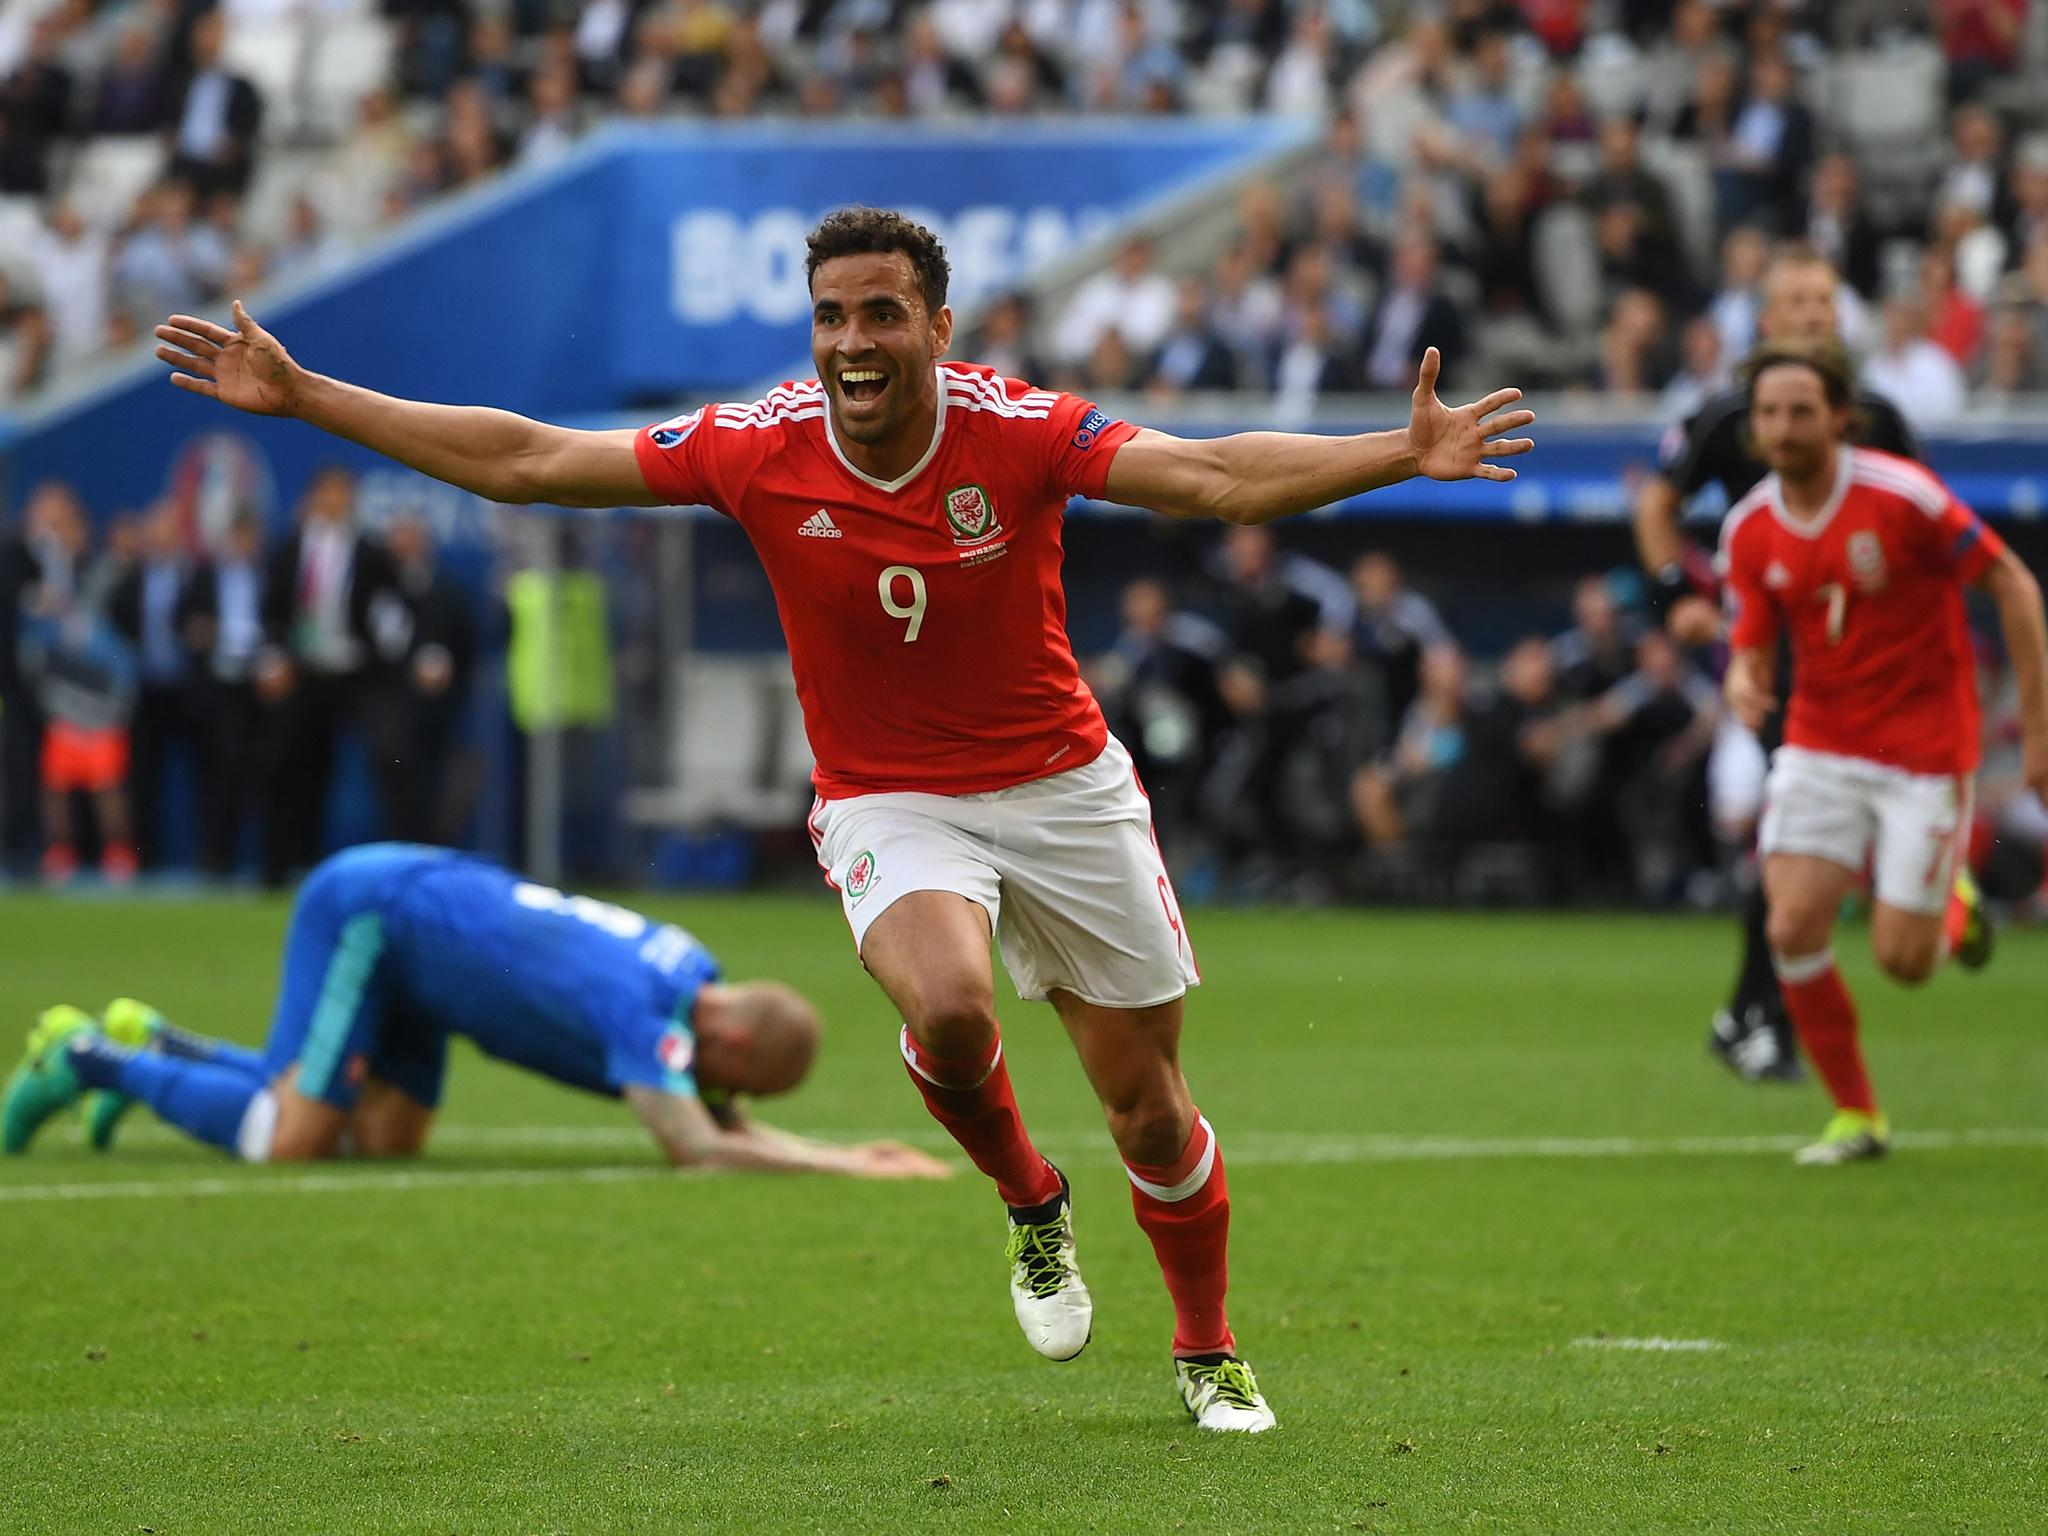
972,515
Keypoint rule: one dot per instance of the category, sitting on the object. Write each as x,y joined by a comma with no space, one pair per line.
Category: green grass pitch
1469,1157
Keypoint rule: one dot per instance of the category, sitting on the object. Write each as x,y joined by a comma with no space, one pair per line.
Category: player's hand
1749,695
1693,621
246,367
1455,444
894,1160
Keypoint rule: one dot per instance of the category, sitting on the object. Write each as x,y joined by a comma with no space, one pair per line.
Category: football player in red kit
1861,558
908,512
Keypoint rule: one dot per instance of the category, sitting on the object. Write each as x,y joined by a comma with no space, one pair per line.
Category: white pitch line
1653,1345
1252,1147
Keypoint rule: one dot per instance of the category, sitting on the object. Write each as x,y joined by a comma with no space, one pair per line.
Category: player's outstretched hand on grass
1455,444
894,1160
246,367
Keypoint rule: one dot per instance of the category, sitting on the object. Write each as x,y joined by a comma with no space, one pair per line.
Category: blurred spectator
1598,651
1412,315
1736,306
1982,41
144,608
1974,177
1703,371
132,95
35,110
1660,721
1394,628
1913,372
414,707
222,624
1130,298
173,260
2028,216
1837,227
1192,356
1245,306
71,270
1954,320
554,122
1634,357
215,117
1762,166
1482,110
84,680
321,587
21,728
24,343
1004,340
1309,365
1622,177
2014,361
1158,686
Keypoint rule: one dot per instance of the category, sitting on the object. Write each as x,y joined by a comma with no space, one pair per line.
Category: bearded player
392,950
1751,1033
1860,558
907,511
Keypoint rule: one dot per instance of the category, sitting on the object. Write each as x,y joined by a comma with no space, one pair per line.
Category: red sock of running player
1825,1017
973,1100
1184,1208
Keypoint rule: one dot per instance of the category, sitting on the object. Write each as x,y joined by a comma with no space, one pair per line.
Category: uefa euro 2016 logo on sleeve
860,874
674,430
1091,426
676,1051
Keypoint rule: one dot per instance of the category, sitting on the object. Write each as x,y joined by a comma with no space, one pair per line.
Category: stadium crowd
136,658
1580,191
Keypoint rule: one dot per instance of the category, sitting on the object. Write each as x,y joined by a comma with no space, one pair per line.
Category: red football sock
1184,1207
1825,1017
974,1102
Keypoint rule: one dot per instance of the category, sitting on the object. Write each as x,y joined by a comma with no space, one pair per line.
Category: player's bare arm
1255,477
496,454
686,1131
1751,687
2017,595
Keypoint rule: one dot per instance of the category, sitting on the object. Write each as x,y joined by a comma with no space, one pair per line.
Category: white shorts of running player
1842,808
1066,867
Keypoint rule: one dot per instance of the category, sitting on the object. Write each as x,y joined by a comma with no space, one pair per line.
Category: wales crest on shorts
971,514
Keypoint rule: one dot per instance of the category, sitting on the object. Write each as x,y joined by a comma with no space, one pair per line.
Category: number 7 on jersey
914,609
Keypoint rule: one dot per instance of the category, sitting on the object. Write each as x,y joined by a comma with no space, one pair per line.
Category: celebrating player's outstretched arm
1255,477
497,454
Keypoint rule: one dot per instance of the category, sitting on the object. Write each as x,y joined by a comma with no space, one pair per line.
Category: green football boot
1851,1137
44,1083
1978,937
135,1025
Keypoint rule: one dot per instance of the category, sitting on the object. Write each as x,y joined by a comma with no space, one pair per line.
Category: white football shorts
1066,867
1842,808
1735,780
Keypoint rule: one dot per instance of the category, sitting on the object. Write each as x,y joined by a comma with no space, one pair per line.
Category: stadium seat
351,57
1683,168
110,173
1568,267
272,55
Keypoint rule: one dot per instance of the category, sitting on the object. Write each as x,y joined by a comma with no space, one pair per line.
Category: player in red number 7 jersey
1861,558
907,511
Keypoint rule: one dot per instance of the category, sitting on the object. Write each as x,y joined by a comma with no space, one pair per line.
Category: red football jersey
926,622
1871,593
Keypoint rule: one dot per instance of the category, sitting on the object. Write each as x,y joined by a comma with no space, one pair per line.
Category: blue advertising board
652,263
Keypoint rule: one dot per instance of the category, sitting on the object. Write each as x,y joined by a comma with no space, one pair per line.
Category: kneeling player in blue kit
391,950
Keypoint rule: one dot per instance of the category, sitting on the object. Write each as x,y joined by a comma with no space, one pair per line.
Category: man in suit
323,591
213,124
1412,316
144,607
220,619
413,708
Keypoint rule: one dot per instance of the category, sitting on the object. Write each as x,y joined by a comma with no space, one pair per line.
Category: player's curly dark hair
1826,358
864,231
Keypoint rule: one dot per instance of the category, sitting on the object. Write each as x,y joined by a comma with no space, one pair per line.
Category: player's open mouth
861,385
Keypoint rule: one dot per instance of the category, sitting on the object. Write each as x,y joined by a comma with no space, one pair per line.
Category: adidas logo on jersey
819,525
